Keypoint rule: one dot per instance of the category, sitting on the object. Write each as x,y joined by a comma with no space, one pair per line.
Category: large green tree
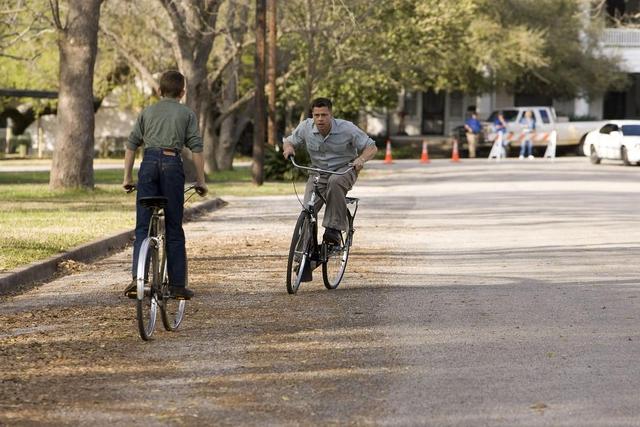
362,53
359,52
204,39
575,64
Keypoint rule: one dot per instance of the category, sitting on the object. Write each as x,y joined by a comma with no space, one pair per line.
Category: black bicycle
306,253
152,277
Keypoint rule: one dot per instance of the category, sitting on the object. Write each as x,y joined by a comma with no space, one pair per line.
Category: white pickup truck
569,133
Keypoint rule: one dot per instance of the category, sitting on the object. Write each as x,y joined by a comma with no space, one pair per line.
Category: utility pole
272,130
259,131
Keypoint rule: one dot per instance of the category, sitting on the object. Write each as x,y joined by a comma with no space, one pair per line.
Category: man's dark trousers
161,174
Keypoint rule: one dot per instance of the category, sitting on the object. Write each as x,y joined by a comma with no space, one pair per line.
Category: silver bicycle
152,277
306,253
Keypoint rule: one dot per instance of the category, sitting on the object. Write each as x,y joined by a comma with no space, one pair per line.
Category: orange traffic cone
387,156
424,158
455,156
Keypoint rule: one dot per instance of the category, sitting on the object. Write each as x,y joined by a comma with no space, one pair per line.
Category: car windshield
631,130
509,115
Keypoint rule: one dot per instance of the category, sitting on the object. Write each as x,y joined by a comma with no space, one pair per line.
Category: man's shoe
332,236
180,292
131,291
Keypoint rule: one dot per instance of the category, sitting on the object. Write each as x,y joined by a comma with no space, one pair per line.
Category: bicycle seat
352,200
154,202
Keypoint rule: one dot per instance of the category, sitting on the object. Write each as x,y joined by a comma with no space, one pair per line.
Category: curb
41,271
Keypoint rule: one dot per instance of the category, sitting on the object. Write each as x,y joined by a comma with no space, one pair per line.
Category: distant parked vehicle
568,133
616,140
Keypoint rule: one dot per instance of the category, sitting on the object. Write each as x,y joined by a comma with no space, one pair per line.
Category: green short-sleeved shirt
166,124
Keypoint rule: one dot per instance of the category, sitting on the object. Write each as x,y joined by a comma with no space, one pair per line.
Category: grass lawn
36,222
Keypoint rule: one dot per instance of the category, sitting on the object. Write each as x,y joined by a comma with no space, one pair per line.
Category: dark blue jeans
162,175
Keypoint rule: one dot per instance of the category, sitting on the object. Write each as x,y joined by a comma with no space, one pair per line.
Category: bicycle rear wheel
299,252
336,257
171,309
148,277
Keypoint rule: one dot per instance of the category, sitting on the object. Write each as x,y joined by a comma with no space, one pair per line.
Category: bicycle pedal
307,275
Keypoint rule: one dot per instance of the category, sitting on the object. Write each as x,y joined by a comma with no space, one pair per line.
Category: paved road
477,294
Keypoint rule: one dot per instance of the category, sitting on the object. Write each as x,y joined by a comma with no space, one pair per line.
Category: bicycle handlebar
292,158
133,187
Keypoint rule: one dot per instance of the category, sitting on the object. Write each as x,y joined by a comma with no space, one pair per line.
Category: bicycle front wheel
335,258
171,309
299,252
148,277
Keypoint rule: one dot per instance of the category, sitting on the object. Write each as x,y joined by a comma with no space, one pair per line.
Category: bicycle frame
317,255
152,271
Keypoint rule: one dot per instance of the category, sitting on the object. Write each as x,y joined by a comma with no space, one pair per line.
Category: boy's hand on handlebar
201,189
129,186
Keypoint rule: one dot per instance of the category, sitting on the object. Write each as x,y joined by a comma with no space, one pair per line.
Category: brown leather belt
169,153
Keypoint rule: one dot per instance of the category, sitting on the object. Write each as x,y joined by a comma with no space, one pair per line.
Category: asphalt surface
478,293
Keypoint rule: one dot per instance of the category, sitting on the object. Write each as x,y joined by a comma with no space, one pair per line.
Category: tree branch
144,72
234,107
55,12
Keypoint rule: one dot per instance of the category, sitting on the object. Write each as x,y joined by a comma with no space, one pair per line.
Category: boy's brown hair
171,84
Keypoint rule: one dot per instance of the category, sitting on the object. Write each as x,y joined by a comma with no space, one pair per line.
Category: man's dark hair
321,102
171,84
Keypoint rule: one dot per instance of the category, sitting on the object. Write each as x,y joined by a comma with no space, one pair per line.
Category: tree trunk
272,130
237,18
194,25
259,130
211,143
226,143
72,164
197,95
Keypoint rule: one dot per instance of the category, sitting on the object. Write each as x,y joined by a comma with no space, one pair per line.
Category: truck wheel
594,156
580,147
625,156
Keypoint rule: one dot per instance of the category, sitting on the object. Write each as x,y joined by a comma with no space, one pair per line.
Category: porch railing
622,37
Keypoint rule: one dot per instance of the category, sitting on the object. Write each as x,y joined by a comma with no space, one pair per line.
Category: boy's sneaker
530,157
180,292
521,157
131,291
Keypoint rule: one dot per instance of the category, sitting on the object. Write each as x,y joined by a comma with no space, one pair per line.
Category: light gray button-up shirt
341,146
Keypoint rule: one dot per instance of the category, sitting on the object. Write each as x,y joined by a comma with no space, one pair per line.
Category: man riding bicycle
332,144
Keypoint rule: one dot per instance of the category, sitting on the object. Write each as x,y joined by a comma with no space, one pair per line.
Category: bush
277,168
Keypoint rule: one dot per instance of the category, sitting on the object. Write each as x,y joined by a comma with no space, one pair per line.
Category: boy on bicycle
163,129
332,144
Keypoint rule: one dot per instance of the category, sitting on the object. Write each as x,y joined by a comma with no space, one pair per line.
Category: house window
531,99
433,112
456,105
616,8
410,104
